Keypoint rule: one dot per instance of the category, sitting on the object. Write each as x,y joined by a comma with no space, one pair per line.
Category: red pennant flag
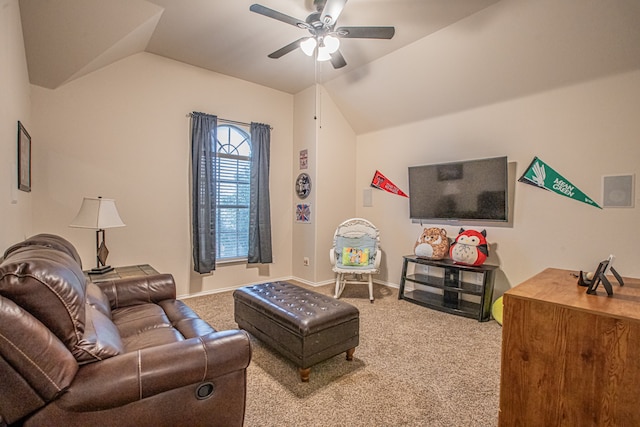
382,182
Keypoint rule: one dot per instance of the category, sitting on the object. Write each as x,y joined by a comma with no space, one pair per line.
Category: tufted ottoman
304,326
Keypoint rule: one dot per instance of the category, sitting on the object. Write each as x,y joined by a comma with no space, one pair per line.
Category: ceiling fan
325,38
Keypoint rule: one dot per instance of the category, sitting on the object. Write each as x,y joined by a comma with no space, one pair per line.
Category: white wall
321,128
336,180
122,132
15,206
303,237
583,131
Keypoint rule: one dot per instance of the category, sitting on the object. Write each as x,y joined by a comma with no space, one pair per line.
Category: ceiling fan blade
366,32
337,60
286,49
257,8
331,11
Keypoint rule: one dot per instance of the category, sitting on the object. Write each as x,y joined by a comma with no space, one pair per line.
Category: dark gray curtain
259,208
203,184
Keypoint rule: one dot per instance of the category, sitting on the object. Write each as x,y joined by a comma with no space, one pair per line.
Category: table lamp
99,214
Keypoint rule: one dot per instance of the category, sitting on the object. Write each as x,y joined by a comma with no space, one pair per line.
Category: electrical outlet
305,261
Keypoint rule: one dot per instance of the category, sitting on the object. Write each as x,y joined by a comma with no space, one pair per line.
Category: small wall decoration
541,175
303,185
470,247
383,183
303,213
24,159
304,159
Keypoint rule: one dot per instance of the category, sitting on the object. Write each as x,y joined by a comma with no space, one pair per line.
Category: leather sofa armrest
139,290
134,376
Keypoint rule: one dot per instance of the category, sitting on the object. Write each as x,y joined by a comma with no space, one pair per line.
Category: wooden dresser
568,358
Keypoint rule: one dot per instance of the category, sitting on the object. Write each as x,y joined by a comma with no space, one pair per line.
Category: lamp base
100,270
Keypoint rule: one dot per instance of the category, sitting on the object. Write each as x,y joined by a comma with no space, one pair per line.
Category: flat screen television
474,190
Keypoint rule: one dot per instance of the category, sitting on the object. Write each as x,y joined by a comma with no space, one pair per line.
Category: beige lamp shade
97,213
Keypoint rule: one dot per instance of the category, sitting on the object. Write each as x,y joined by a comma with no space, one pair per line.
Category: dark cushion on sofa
101,338
97,299
34,346
50,241
50,285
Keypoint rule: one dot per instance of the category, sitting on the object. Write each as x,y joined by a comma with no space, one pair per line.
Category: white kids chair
355,255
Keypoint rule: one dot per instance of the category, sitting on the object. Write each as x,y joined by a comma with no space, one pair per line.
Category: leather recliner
119,353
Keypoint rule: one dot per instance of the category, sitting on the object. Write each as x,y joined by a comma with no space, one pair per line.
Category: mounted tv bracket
592,282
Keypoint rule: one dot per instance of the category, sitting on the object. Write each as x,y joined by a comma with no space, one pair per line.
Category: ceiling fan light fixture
331,43
323,54
308,46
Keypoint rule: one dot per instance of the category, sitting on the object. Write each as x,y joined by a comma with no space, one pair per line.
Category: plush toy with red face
470,247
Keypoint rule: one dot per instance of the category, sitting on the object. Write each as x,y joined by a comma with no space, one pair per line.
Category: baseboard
291,278
230,288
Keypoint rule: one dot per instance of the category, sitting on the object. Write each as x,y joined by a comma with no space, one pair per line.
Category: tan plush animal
433,243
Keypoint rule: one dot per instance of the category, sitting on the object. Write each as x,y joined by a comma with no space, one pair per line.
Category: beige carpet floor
414,367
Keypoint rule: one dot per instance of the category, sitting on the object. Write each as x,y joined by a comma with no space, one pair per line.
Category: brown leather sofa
120,353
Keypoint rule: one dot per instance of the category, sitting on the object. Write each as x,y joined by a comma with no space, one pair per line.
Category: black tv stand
453,288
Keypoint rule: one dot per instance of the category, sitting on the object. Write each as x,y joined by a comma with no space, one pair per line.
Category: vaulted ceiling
68,38
446,55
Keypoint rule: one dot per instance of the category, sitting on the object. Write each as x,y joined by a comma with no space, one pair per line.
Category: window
233,166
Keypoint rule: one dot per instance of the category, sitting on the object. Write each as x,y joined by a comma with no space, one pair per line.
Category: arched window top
233,140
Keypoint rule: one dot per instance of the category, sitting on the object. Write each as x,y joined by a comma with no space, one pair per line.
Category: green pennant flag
542,175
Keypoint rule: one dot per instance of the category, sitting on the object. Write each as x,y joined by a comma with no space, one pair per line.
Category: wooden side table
122,273
568,358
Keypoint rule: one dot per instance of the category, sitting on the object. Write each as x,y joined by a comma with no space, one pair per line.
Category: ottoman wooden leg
350,353
304,374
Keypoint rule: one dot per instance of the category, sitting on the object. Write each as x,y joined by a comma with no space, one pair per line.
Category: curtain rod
232,122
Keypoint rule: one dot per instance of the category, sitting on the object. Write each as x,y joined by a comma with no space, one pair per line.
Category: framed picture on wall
303,213
303,185
24,158
304,159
